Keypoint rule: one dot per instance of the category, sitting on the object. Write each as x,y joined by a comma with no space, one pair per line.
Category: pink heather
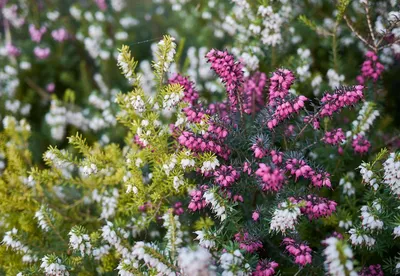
265,268
225,176
259,148
371,68
50,87
255,216
272,179
247,168
193,115
229,70
276,157
372,270
248,243
300,251
191,95
36,34
41,53
300,168
280,83
12,50
60,35
285,109
334,137
253,89
197,202
315,207
101,4
342,97
360,144
178,210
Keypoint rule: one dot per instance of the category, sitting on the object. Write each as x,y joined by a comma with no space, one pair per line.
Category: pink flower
59,35
272,179
247,242
280,83
197,201
225,176
178,210
101,4
229,70
50,87
299,168
334,137
300,251
255,216
285,109
265,268
246,168
41,53
315,207
194,115
253,89
360,144
191,95
12,50
342,97
276,157
36,34
371,68
372,270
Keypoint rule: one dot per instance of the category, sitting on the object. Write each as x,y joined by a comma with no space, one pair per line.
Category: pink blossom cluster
60,34
101,4
315,207
191,95
41,53
334,137
36,34
259,147
300,251
265,268
299,168
197,202
215,130
280,83
229,70
253,90
12,50
372,270
247,242
342,97
145,207
285,109
360,144
138,141
178,209
202,144
371,68
221,109
225,176
272,179
194,114
276,156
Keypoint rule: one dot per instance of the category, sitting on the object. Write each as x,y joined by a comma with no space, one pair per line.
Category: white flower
232,264
204,239
209,165
334,78
42,216
357,238
285,217
345,224
365,118
392,173
216,204
338,258
369,217
80,242
88,170
396,231
195,262
187,163
138,104
368,175
178,181
53,267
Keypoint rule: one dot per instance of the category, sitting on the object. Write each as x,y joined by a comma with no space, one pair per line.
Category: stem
369,23
43,94
348,22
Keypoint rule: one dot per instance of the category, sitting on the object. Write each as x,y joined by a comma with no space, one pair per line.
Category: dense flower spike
334,137
392,173
360,144
285,109
299,168
272,179
300,251
229,70
342,97
285,217
280,83
201,144
315,207
371,68
225,176
265,268
253,90
191,95
247,242
338,258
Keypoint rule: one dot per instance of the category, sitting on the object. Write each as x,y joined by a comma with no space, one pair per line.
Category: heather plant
241,161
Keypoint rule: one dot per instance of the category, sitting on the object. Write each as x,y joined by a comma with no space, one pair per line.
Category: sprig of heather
280,83
191,95
253,90
301,252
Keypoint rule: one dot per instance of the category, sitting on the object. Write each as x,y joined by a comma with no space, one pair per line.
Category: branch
357,34
43,94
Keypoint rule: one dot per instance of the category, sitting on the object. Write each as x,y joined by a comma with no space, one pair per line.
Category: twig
366,7
38,89
357,34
